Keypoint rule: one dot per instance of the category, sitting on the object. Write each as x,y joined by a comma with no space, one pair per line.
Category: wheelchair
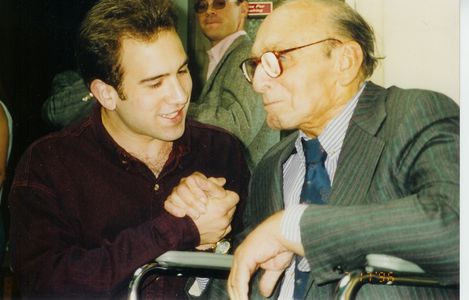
379,269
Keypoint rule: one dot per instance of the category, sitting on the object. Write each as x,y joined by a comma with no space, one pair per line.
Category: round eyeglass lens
270,64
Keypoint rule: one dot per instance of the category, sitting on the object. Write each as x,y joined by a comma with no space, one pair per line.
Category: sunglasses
202,6
271,62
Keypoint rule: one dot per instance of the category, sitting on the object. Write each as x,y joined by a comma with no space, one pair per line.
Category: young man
226,99
87,202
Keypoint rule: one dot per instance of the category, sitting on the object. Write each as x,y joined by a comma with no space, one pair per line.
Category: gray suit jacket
396,192
228,101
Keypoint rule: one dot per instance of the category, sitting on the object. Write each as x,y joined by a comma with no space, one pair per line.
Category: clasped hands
211,207
207,203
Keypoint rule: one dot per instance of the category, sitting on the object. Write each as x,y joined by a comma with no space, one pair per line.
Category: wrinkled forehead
291,25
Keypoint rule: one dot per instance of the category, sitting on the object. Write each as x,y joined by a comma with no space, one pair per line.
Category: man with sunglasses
226,99
368,170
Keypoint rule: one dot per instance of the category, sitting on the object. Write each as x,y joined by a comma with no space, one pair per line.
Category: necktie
317,186
316,190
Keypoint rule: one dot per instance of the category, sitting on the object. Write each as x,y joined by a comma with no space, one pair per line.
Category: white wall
420,42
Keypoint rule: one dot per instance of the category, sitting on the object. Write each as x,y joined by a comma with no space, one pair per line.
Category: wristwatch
223,246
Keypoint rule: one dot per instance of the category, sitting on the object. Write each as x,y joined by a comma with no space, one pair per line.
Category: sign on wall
259,8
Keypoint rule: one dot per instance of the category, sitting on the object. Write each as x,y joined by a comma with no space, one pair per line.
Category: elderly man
226,99
87,202
390,157
369,169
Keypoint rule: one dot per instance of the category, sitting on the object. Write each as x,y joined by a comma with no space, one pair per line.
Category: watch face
222,247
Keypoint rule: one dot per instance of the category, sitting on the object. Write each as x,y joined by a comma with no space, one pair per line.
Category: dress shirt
331,139
216,52
86,214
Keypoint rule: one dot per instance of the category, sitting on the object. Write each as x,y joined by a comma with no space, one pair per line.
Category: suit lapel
208,84
361,149
270,198
274,172
358,159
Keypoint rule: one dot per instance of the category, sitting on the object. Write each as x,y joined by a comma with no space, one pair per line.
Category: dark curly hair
104,27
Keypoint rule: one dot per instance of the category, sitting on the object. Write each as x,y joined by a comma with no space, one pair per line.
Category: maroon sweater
85,214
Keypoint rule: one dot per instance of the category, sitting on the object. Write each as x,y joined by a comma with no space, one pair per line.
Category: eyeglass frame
211,5
277,54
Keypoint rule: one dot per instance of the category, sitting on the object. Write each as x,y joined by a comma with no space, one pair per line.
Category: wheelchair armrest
182,263
391,263
194,260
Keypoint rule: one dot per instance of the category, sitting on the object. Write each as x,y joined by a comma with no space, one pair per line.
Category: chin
274,123
173,134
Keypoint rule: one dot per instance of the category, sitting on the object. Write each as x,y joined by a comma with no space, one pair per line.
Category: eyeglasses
202,6
270,61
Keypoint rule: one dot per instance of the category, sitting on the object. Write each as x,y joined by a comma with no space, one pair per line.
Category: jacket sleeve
65,104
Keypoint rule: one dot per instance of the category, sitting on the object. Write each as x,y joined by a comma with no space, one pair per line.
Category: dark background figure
38,42
38,39
6,137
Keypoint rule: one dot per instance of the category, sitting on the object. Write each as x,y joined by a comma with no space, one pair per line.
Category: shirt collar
181,146
332,137
216,52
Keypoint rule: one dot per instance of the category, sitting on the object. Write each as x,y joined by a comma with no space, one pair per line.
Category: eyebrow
276,46
266,48
162,75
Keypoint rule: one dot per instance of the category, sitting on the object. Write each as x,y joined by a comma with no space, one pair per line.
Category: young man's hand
210,206
190,196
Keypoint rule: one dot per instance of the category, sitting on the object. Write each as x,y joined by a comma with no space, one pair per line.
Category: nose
178,93
261,82
210,9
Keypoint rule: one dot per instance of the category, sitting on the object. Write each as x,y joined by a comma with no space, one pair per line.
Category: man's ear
244,8
104,93
350,62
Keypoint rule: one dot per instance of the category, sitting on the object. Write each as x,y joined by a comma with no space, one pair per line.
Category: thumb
220,181
268,281
214,187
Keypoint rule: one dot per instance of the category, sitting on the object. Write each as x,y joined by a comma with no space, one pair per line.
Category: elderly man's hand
190,196
265,248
